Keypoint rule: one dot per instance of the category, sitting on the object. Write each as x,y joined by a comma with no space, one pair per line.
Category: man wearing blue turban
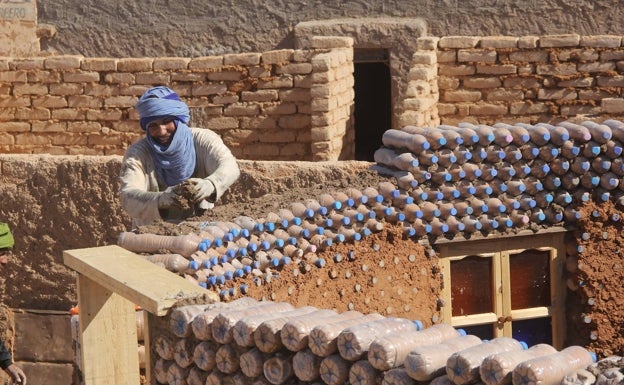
172,153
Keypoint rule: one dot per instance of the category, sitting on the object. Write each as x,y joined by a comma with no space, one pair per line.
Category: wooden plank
108,336
475,319
500,297
147,341
447,310
558,293
142,282
532,312
448,248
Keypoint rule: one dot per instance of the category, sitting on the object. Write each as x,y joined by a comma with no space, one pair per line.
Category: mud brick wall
260,103
333,134
528,79
298,104
422,94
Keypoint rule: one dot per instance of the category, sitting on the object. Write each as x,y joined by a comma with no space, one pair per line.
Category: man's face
162,130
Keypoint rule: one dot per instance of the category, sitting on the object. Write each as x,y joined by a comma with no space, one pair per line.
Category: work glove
203,189
166,198
16,374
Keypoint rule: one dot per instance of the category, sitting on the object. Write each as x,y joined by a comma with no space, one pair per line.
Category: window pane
471,286
530,279
485,332
533,331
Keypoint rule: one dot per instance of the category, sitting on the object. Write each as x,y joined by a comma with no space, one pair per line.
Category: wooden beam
127,274
108,336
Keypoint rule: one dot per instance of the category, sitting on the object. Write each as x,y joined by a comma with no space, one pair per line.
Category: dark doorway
372,100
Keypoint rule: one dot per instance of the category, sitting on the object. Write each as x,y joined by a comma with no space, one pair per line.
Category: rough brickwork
261,104
298,104
528,79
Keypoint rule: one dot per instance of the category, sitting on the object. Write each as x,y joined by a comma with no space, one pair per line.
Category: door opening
373,104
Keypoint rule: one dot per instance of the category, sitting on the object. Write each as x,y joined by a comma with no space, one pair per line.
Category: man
6,360
172,155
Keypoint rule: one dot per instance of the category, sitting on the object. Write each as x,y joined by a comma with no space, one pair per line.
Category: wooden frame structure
551,239
111,281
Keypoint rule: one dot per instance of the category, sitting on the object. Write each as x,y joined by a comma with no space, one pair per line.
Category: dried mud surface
384,273
599,323
391,285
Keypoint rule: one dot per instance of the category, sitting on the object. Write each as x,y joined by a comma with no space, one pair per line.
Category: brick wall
298,104
522,79
260,103
333,134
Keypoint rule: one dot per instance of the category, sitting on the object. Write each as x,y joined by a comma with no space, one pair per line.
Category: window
509,286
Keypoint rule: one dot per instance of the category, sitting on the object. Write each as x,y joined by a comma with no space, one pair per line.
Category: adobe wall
270,106
526,79
125,28
298,104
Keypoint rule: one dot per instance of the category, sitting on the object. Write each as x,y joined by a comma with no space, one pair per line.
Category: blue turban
175,163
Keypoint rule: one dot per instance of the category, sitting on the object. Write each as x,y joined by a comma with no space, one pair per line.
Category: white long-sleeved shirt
140,183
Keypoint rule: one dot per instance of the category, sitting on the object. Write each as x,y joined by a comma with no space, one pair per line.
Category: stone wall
260,103
527,79
298,104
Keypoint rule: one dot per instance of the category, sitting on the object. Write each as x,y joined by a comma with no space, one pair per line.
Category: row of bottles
588,135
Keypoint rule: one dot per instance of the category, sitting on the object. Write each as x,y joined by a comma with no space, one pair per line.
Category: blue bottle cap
193,265
418,324
461,332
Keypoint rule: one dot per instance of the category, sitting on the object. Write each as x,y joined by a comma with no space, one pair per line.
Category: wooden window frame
504,245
